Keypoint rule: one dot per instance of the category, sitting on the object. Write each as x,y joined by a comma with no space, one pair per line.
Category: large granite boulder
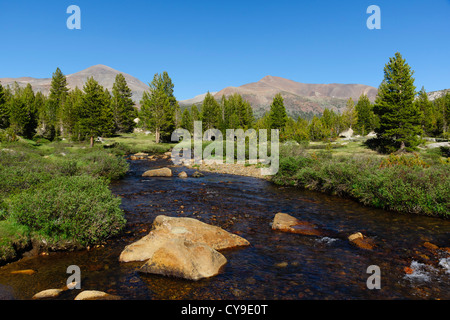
167,228
185,259
286,223
163,172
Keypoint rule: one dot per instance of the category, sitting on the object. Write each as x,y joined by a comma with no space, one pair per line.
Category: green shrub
398,183
102,164
80,209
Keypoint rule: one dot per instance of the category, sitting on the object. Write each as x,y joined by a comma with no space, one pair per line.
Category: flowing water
276,266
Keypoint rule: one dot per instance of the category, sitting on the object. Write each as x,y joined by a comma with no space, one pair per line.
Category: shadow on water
276,265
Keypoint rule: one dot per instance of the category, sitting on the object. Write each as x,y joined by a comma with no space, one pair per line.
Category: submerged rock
360,241
28,272
430,246
286,223
168,228
197,174
163,172
185,259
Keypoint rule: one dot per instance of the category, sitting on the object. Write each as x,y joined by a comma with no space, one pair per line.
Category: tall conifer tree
400,118
123,106
278,115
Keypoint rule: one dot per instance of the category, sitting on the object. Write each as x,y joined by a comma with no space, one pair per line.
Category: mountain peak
100,68
268,78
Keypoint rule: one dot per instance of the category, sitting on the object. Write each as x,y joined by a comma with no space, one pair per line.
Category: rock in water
197,174
95,295
358,240
185,259
47,294
286,223
355,236
182,175
163,172
167,228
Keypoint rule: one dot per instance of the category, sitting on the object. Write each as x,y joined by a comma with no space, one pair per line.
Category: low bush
397,183
80,209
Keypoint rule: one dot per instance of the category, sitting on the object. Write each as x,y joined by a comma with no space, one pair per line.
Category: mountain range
103,74
301,99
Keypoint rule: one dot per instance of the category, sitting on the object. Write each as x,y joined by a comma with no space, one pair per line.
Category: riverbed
277,266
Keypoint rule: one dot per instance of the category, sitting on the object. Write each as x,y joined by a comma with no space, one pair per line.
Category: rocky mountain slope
300,98
103,74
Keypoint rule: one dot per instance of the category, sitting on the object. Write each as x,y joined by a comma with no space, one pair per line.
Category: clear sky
209,45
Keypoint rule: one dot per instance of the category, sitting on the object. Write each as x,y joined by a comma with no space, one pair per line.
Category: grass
138,142
13,238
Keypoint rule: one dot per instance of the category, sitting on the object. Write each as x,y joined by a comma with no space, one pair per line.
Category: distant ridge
300,98
437,94
103,74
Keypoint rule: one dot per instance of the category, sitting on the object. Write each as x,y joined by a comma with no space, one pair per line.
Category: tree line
75,114
400,116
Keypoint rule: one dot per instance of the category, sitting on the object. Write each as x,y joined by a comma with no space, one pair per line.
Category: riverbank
405,183
55,196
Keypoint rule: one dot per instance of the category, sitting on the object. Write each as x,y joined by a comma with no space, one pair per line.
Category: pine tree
349,116
317,130
23,114
366,120
400,118
211,112
95,119
40,102
108,126
4,109
429,120
195,115
186,121
278,115
263,123
154,109
159,107
332,123
123,106
71,113
57,98
237,112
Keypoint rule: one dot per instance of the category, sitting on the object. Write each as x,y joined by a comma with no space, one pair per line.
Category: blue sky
209,45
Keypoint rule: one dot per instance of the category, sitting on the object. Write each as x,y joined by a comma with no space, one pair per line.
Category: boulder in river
182,175
47,294
95,295
360,241
197,174
286,223
167,228
139,156
185,259
163,172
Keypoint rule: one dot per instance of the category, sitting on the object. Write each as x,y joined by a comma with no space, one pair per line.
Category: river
276,266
